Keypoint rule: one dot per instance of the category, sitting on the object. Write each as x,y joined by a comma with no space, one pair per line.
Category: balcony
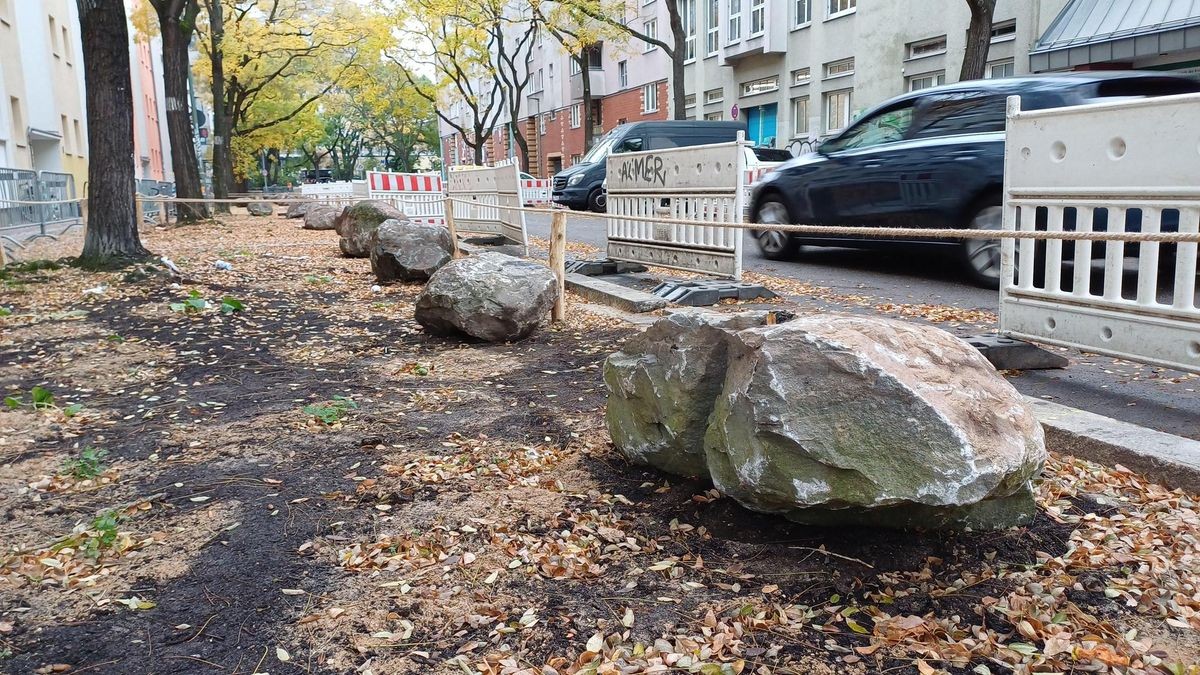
596,76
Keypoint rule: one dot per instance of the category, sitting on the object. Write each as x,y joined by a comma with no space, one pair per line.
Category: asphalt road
1145,395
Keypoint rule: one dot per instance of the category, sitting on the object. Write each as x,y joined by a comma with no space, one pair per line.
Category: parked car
930,158
581,186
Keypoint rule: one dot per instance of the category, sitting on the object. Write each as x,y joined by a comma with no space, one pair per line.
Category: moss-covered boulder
356,223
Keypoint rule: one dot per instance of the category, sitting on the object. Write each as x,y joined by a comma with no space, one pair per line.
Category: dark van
582,185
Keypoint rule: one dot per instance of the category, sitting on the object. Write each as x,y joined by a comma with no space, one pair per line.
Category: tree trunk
112,223
179,116
522,145
979,38
585,64
222,162
678,54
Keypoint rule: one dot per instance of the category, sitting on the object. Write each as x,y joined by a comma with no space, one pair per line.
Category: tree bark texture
220,122
979,39
112,222
677,55
176,29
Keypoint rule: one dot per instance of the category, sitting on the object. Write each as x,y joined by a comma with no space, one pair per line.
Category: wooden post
450,226
558,262
137,208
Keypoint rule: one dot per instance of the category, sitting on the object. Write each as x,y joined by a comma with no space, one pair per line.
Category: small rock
320,217
298,209
260,208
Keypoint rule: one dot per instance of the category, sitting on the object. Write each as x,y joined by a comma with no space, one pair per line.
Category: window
66,137
735,21
758,17
576,113
79,144
928,47
839,68
800,116
888,126
714,96
650,98
575,158
800,76
927,80
622,74
837,110
4,14
687,15
537,81
575,70
713,28
997,69
801,13
1004,31
839,7
961,113
651,31
714,116
760,86
18,121
689,101
54,37
66,45
542,125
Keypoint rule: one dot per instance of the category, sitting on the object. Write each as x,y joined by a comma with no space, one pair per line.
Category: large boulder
491,296
356,223
664,383
320,217
407,251
260,208
297,209
832,419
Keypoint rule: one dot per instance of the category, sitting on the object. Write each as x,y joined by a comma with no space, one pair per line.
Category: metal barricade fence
1129,166
704,183
59,188
334,193
150,210
18,185
418,195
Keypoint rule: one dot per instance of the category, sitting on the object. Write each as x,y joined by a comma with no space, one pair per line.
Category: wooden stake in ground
558,250
450,226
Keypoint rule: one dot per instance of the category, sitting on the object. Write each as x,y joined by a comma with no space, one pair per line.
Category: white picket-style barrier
335,193
704,182
1125,166
418,195
537,191
487,189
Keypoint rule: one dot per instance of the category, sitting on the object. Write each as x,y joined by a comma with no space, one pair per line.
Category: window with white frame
801,76
840,68
622,74
1004,31
687,14
542,125
714,96
712,28
689,101
714,116
575,70
576,109
734,31
650,30
837,109
801,13
839,7
926,80
650,98
758,17
537,81
927,47
997,69
760,86
800,116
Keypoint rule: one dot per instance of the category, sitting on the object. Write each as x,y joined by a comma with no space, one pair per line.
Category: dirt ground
310,483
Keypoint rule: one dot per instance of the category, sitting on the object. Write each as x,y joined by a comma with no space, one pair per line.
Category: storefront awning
1101,31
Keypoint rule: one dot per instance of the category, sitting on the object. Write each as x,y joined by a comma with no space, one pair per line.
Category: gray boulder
491,296
664,383
406,251
260,208
320,217
357,222
297,209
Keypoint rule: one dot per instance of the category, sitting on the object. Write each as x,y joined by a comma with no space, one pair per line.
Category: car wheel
773,244
982,256
598,200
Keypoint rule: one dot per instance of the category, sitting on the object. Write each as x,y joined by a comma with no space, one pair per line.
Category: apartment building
42,122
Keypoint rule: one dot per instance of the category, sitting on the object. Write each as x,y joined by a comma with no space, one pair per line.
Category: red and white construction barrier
419,195
536,191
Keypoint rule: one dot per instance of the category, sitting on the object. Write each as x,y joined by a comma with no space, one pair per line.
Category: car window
629,145
887,126
771,154
960,113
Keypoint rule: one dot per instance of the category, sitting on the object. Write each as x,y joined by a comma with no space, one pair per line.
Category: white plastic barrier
704,182
1125,166
335,193
753,176
418,195
537,191
487,189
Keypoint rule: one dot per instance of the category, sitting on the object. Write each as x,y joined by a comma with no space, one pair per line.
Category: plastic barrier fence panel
418,195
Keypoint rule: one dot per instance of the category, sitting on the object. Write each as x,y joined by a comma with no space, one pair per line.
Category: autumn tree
112,222
979,39
397,120
514,29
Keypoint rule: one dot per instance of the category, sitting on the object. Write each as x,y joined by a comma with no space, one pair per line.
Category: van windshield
599,151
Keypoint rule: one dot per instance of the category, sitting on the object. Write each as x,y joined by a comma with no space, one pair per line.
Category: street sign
733,112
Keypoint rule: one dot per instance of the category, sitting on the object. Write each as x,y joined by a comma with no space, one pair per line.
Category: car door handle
872,165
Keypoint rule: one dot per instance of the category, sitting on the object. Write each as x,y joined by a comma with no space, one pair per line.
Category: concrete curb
1172,461
614,295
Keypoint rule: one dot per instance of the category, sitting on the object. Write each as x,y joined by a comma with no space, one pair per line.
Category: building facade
43,126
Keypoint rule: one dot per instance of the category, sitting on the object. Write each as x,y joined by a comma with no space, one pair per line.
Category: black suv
930,158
